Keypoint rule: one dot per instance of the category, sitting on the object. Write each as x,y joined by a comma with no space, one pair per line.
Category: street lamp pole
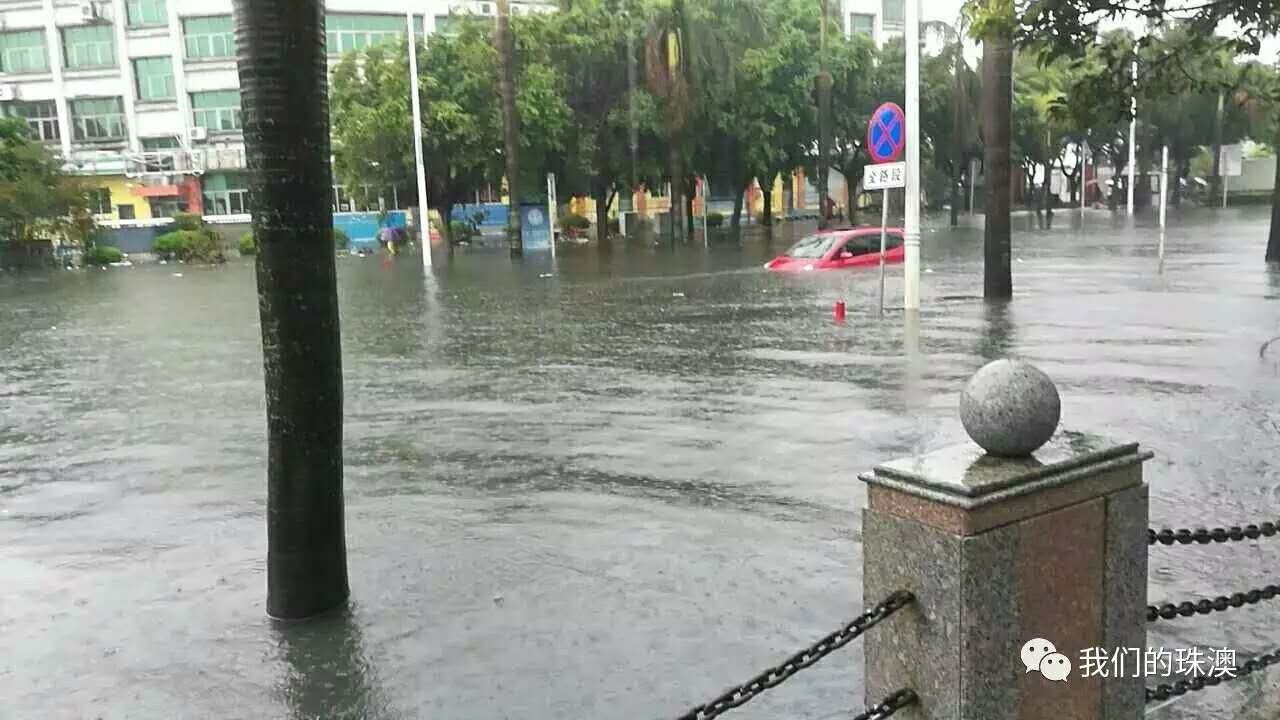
1133,135
911,288
424,217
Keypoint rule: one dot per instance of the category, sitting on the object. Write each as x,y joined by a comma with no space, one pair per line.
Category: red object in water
842,249
840,310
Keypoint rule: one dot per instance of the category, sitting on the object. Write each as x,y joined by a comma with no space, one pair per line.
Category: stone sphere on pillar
1010,408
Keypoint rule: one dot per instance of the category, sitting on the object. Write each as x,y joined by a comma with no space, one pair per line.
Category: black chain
888,706
1165,691
1169,611
775,676
1235,533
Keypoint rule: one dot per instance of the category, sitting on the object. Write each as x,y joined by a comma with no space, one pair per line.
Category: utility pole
911,288
424,215
510,122
1133,135
281,60
824,83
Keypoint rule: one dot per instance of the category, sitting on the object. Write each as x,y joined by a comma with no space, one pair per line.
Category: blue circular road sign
887,133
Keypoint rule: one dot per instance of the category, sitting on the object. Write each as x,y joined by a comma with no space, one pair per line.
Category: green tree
37,200
690,49
461,126
1071,26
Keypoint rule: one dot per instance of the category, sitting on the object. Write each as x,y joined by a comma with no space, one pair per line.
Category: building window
100,201
23,51
166,142
225,195
88,46
216,111
166,207
126,212
41,117
97,119
209,37
344,33
895,15
142,13
862,23
154,78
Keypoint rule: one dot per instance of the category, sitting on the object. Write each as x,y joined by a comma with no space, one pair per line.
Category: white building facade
143,96
879,19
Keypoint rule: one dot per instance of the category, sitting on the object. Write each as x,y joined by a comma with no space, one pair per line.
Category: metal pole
884,224
706,239
1084,175
551,210
1164,196
973,185
1133,135
911,289
424,216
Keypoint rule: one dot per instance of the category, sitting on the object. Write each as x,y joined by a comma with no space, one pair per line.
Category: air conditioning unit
199,133
8,92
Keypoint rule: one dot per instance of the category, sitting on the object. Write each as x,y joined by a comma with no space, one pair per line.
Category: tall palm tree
505,45
961,102
997,112
281,57
688,49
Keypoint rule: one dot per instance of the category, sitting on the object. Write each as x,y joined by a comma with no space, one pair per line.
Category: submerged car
839,249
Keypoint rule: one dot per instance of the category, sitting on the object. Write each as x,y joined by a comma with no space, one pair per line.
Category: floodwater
599,487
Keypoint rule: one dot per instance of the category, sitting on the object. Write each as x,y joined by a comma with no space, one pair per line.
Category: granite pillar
1000,551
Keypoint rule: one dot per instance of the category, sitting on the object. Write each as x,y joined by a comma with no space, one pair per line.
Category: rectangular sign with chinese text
884,176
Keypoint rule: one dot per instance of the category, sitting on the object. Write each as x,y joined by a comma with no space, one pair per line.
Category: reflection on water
567,477
327,673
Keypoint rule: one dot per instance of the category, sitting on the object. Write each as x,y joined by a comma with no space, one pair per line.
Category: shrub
102,255
340,239
248,245
203,246
187,221
460,231
574,221
715,219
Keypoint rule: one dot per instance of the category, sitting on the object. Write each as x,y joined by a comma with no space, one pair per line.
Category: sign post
1232,163
886,139
551,210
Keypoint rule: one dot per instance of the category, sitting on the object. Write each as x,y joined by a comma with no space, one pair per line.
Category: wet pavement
599,487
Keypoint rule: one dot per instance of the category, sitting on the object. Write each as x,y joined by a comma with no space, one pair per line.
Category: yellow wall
122,193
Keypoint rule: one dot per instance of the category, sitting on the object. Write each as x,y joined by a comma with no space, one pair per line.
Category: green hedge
103,255
201,246
715,219
249,244
574,221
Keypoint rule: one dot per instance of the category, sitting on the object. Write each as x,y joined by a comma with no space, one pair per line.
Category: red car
838,249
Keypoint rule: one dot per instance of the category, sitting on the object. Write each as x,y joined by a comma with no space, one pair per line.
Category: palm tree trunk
505,45
768,202
676,171
280,51
601,197
997,105
1047,195
1273,238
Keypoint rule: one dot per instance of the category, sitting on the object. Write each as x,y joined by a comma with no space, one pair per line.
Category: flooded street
594,487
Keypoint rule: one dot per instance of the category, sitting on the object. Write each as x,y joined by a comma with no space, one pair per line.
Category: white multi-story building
880,19
143,95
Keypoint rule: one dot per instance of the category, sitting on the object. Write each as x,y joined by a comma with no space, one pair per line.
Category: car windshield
814,246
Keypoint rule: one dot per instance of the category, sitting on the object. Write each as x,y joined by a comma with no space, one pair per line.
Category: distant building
143,95
878,19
